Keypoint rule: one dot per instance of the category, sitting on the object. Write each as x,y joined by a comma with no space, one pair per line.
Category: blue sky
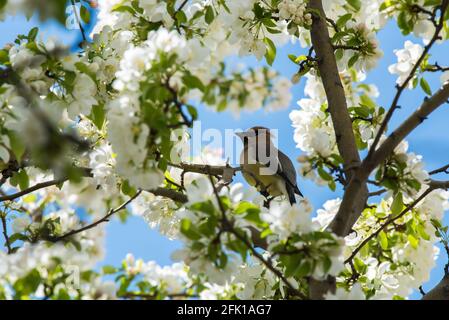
430,140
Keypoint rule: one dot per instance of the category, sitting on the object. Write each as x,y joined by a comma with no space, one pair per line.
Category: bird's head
255,133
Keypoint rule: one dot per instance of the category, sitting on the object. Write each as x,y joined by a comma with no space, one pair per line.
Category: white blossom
407,58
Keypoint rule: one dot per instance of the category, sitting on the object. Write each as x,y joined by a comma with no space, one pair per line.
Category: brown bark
338,109
440,292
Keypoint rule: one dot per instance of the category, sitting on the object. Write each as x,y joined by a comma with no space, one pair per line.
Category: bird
266,167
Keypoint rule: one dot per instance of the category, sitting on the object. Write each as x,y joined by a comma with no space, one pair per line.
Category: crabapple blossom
407,58
104,132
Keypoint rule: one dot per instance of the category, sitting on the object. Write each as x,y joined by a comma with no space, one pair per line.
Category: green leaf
383,240
359,265
4,56
367,101
205,207
3,4
33,34
425,86
327,264
300,58
193,112
245,206
304,268
269,23
127,189
85,14
188,230
413,241
292,57
403,23
341,22
17,145
120,8
210,15
324,174
291,263
109,269
16,237
338,36
266,233
270,55
332,185
20,179
181,17
193,82
84,68
273,31
397,205
353,60
432,3
422,232
356,4
98,116
362,111
28,284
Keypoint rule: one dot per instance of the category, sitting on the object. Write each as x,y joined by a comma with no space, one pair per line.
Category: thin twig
377,193
444,169
36,187
421,290
182,6
333,24
436,68
186,121
388,222
5,233
346,47
94,224
228,227
78,20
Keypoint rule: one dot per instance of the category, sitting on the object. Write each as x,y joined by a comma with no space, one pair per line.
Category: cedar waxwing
266,167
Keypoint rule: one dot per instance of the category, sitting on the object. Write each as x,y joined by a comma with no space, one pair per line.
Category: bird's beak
241,135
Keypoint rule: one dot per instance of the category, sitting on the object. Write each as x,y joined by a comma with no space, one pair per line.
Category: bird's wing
286,169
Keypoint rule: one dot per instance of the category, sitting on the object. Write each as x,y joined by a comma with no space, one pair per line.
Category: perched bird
265,167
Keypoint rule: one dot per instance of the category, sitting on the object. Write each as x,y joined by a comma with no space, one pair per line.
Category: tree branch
411,123
171,194
441,290
204,168
352,193
338,109
333,86
401,88
327,66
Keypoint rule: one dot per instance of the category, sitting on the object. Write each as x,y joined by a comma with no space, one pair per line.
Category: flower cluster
295,10
314,132
407,59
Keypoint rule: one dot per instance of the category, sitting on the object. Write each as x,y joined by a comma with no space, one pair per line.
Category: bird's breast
256,176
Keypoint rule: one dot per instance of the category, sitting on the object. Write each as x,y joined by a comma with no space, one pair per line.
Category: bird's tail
298,192
291,194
